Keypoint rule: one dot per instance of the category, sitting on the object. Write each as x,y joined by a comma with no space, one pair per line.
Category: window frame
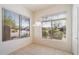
42,24
51,24
3,10
21,24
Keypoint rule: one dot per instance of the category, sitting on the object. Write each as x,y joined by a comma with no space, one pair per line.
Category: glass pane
15,28
11,25
46,28
58,29
25,27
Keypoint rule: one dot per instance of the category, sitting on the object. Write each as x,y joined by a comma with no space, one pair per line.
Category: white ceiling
36,7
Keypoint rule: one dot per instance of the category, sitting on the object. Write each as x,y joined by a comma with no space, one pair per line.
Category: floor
36,49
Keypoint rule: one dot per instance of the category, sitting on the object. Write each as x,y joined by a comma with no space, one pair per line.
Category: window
14,26
46,27
58,30
54,27
25,27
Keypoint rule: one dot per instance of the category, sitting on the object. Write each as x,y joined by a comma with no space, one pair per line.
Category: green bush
56,34
44,34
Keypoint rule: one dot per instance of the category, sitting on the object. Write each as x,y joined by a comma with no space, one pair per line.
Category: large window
54,27
58,30
25,27
46,27
14,25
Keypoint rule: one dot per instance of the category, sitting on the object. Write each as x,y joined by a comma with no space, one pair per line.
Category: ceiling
37,7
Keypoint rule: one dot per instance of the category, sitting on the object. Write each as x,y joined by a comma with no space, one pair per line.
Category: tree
44,33
9,22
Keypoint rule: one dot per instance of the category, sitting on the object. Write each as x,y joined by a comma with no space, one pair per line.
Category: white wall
75,41
10,46
60,44
74,30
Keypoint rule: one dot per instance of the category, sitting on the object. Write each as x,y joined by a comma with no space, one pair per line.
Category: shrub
44,34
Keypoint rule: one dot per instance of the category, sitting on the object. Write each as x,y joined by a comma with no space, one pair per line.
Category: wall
10,46
75,45
74,34
59,44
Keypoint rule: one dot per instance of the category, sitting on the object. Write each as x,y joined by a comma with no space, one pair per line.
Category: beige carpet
36,49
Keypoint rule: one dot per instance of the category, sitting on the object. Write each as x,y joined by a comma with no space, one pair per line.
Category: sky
56,19
15,17
48,24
